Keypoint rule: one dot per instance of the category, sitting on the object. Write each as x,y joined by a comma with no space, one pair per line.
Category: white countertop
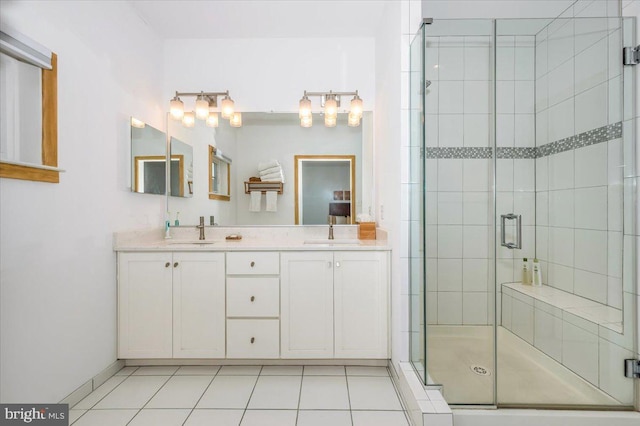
300,238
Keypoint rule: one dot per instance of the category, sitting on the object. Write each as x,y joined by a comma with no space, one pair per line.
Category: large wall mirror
265,137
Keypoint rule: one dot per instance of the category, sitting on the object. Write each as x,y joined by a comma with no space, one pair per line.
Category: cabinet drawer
253,263
249,338
253,297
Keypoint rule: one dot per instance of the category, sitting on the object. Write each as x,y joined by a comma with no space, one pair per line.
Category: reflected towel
276,169
256,199
268,164
272,201
273,177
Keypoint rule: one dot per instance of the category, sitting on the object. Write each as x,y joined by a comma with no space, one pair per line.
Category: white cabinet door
306,308
198,305
144,305
361,304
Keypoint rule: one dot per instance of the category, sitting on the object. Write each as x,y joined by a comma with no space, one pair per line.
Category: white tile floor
243,395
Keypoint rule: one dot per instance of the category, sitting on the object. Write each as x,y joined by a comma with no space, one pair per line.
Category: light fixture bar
202,93
330,92
330,101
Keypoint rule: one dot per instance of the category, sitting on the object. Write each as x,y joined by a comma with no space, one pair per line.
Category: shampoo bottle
537,273
177,222
526,276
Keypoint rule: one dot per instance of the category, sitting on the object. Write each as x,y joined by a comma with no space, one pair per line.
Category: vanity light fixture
331,102
189,119
236,120
205,109
212,119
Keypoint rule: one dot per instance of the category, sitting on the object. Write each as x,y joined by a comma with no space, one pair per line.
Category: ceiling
261,18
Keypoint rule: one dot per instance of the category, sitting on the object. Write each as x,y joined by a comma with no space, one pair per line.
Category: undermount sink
332,242
196,242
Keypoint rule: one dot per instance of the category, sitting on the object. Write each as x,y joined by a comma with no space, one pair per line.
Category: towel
256,199
273,177
268,164
270,170
272,201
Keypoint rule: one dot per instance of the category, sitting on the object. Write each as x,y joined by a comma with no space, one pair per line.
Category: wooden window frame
49,134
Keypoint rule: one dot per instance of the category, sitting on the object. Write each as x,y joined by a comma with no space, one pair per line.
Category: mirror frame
298,159
212,195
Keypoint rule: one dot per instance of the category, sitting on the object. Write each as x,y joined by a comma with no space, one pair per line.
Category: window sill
28,171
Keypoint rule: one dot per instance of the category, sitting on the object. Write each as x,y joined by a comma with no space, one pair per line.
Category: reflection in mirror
219,175
148,158
181,169
325,189
264,137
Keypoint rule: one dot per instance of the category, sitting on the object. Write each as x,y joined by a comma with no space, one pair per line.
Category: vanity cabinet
253,305
171,305
145,293
361,313
306,292
198,305
334,305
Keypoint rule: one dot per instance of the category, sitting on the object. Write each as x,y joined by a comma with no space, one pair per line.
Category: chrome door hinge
631,55
632,368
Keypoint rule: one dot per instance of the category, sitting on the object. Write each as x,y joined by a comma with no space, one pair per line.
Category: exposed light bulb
329,121
305,107
306,121
212,119
227,107
331,107
356,106
202,108
236,120
176,108
353,120
189,119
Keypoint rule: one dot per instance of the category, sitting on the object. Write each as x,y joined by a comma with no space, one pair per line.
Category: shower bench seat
563,304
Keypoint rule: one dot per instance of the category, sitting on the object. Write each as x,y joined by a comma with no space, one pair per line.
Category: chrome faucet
201,228
331,231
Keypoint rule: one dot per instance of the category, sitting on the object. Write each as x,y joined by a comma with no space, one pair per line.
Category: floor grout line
199,399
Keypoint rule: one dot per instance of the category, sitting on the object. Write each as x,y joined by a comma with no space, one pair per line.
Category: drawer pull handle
253,264
253,339
166,265
253,298
175,265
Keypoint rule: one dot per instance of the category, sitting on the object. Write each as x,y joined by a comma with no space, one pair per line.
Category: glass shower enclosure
521,266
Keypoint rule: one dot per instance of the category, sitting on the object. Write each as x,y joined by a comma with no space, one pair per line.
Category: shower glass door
521,145
559,202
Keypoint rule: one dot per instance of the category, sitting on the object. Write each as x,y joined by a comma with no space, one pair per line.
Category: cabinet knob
328,264
337,264
166,265
175,265
253,264
253,298
253,339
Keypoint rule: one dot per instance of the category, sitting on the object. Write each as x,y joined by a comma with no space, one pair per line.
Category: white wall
270,74
57,267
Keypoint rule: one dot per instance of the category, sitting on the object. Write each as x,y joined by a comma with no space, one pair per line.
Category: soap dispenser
526,276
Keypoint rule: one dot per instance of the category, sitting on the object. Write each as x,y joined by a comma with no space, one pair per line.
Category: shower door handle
518,219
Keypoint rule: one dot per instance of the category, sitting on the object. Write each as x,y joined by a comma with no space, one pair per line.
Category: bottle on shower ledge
526,274
537,274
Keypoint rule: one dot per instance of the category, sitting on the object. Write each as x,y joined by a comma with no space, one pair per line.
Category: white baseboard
92,384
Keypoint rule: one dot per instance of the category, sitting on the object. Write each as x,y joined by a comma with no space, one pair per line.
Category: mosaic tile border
592,137
460,152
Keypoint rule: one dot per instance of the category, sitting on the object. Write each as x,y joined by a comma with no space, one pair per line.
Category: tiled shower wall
458,167
459,170
578,172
